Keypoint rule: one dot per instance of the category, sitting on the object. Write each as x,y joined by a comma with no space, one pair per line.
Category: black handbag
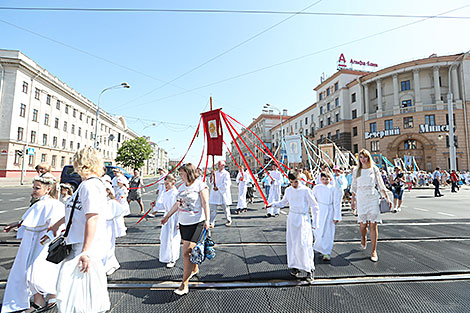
58,250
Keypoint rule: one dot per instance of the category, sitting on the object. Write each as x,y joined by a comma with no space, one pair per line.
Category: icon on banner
213,128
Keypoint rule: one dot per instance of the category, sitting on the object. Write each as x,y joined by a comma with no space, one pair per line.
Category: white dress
243,178
31,273
330,210
115,227
161,189
170,237
121,197
275,190
367,196
299,235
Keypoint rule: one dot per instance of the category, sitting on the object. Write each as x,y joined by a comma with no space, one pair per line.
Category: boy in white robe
243,179
329,214
31,274
160,190
299,235
274,190
170,237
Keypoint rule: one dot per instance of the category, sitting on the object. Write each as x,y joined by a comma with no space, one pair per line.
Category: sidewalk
15,182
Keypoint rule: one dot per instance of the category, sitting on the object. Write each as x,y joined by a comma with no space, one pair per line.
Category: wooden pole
213,157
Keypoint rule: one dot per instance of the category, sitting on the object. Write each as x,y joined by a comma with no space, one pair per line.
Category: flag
294,149
213,129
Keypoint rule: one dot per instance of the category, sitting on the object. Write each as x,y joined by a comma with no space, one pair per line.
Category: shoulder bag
383,203
197,254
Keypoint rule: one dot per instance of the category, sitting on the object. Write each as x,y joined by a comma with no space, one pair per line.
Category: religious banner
294,149
213,129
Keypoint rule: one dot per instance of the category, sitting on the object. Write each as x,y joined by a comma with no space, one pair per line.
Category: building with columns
47,120
398,111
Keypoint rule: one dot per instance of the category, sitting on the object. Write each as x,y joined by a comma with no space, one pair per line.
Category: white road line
18,209
282,212
17,199
424,210
2,212
446,214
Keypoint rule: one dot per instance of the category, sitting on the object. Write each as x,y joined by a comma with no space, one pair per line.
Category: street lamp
122,85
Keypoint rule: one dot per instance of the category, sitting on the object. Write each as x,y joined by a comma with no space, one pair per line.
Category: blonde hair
50,181
190,171
45,166
170,178
88,161
366,153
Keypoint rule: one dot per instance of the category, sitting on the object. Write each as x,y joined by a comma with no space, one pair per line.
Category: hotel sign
433,128
383,133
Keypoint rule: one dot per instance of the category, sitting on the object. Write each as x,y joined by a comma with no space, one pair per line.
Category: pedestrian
339,181
136,187
170,237
43,168
276,181
250,191
66,191
220,194
454,179
193,212
82,283
243,179
436,177
31,274
299,237
118,174
329,203
266,181
398,183
122,192
160,189
367,185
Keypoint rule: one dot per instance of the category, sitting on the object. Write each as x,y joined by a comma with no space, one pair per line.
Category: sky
93,50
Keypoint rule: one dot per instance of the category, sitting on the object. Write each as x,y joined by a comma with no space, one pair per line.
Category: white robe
31,273
222,196
243,178
341,183
161,191
115,227
330,209
170,238
299,235
275,190
121,197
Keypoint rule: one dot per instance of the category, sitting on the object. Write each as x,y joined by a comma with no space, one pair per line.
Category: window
91,134
64,143
296,126
19,137
62,161
65,126
336,102
321,96
430,120
354,131
353,98
328,107
328,121
337,134
74,112
78,145
44,139
43,157
48,99
328,92
406,103
306,132
53,161
321,124
66,109
87,119
23,110
354,113
71,145
408,122
374,146
92,121
33,136
405,85
54,142
35,115
373,127
37,92
300,123
30,159
306,121
73,129
355,148
410,144
328,136
56,123
25,87
81,116
86,134
80,131
337,117
17,156
376,92
46,119
321,110
336,86
388,124
57,105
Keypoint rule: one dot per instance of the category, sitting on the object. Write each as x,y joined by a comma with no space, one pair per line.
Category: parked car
71,177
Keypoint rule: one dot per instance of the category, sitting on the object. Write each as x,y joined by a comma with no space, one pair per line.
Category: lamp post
122,85
265,107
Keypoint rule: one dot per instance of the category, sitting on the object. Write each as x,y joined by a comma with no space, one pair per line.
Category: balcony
412,109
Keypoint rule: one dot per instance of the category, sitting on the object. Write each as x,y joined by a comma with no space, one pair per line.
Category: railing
411,109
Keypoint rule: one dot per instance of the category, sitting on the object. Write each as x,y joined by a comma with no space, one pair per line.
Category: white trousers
272,210
213,209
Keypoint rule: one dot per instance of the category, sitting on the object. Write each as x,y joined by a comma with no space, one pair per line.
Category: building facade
47,121
158,160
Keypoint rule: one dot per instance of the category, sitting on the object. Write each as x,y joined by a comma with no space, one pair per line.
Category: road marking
282,212
446,214
17,199
424,210
18,209
2,212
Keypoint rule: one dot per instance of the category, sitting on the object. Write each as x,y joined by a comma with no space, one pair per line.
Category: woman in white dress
82,284
366,181
31,274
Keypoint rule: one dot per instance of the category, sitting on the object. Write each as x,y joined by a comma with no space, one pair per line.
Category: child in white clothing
122,191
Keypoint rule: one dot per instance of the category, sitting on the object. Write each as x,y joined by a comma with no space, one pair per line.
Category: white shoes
170,264
180,292
111,271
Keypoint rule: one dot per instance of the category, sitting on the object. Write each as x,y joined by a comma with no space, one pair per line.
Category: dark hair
136,169
325,174
190,171
293,175
437,168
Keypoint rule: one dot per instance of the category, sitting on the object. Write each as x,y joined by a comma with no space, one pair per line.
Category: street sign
30,151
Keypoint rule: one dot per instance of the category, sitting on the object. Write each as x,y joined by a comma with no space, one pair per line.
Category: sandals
50,304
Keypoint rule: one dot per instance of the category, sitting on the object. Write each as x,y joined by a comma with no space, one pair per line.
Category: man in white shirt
436,177
220,194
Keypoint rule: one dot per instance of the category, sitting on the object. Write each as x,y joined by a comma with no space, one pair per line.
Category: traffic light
19,153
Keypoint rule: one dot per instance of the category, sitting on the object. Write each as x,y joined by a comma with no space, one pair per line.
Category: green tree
134,152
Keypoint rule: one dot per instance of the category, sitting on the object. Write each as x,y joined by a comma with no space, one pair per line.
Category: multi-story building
398,111
261,126
158,160
47,120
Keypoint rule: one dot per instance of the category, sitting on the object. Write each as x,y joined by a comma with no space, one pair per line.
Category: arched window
411,144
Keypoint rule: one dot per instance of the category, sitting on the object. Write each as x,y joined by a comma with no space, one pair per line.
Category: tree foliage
134,152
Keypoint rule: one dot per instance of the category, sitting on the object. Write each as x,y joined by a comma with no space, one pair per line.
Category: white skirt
368,209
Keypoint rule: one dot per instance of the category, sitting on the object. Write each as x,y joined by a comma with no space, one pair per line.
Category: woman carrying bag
82,283
193,211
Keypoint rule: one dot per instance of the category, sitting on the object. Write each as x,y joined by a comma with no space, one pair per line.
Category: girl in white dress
366,180
170,238
299,235
329,215
122,192
31,274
